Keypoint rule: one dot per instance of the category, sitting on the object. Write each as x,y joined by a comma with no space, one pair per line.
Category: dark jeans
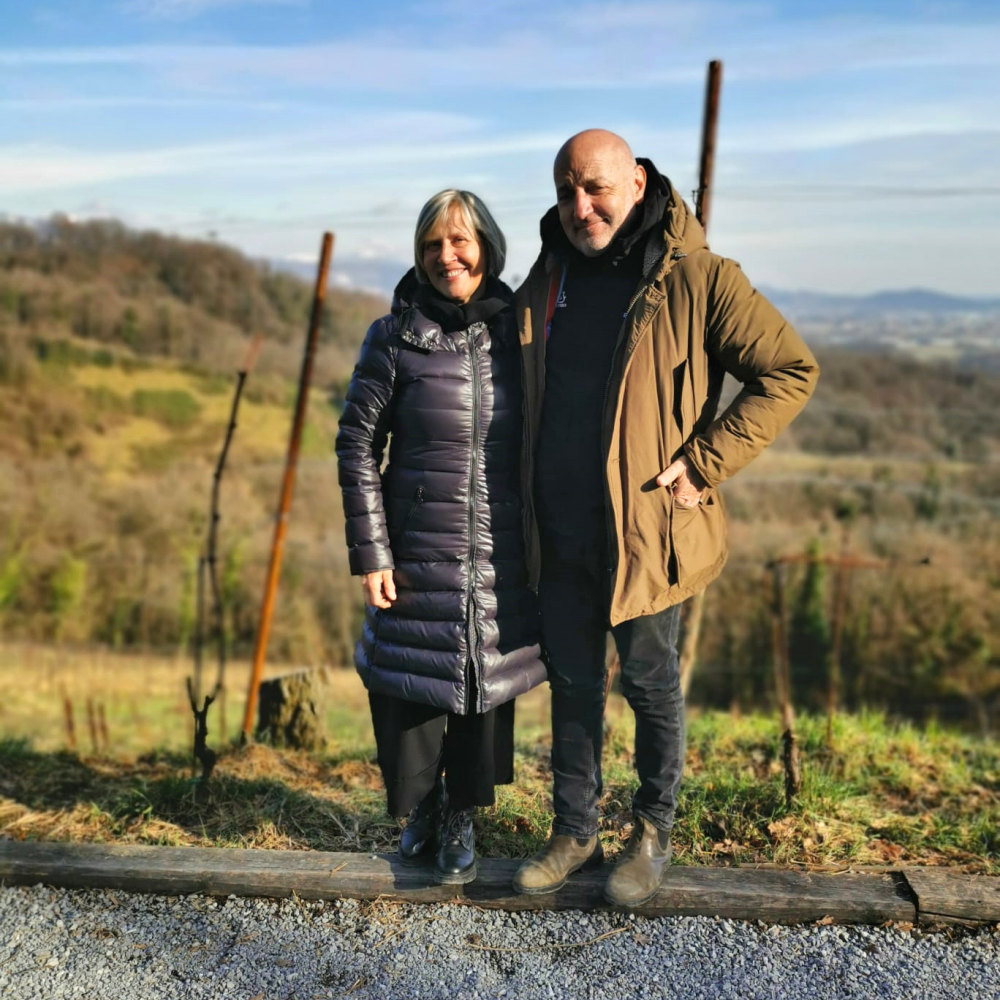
574,602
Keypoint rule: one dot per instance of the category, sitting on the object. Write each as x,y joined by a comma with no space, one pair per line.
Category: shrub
175,408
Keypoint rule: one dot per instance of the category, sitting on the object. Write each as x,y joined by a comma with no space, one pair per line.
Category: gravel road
103,945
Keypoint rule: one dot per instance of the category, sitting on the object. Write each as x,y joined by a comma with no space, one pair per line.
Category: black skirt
416,743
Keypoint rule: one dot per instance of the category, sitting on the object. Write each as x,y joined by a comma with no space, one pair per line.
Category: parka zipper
472,629
612,534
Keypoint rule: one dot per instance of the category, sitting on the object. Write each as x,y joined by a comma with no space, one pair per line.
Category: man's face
597,189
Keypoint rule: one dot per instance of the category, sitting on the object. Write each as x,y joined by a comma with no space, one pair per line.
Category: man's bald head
598,185
596,142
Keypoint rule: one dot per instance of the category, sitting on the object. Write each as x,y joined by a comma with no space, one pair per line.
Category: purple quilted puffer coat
445,514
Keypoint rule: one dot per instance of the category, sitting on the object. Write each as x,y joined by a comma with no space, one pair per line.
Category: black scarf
650,214
449,315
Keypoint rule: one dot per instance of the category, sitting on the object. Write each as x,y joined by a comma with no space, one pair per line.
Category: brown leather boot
639,871
558,859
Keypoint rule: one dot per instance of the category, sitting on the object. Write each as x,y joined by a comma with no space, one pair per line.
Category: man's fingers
670,473
683,481
388,585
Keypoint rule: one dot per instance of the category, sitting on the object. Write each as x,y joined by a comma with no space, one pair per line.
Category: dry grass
142,697
777,462
116,446
145,703
884,794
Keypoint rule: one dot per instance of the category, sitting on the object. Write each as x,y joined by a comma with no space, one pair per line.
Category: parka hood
663,210
427,309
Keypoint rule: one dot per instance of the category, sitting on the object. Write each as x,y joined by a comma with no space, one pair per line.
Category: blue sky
859,143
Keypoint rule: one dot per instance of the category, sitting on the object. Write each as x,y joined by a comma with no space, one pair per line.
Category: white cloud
33,168
839,130
36,167
589,53
69,103
830,123
178,10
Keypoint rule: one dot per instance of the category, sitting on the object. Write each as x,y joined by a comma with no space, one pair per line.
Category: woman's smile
454,260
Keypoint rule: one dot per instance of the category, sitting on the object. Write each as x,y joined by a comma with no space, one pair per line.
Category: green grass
175,408
885,794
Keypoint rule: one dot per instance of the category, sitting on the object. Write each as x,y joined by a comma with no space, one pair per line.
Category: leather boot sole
421,860
594,861
609,898
458,878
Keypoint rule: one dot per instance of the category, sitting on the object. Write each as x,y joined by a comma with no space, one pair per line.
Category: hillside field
118,358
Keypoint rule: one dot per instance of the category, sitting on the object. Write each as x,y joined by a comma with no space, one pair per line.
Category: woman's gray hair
476,216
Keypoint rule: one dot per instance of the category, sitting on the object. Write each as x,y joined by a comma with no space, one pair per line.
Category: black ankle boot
419,839
456,857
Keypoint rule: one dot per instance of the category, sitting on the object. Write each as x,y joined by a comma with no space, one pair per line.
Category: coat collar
671,230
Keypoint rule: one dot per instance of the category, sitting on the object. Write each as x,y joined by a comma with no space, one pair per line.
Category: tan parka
694,316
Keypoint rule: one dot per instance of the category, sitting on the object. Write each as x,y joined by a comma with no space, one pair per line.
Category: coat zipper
472,628
612,534
609,527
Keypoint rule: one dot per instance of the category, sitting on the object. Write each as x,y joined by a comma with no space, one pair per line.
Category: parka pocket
697,538
397,535
366,651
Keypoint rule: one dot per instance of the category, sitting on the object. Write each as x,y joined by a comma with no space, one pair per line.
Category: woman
450,631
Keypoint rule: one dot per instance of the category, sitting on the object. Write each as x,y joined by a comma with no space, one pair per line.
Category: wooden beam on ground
737,893
954,897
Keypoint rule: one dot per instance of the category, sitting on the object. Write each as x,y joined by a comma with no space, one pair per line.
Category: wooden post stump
290,710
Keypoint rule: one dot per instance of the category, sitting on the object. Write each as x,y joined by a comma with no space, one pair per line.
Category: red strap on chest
555,288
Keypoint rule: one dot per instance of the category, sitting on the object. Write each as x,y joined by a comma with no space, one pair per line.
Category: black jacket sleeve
361,440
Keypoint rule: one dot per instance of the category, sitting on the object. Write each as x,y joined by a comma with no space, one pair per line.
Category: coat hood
423,310
667,223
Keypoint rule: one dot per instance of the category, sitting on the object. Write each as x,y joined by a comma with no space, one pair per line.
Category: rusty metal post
68,719
836,642
92,725
102,726
695,606
709,127
281,521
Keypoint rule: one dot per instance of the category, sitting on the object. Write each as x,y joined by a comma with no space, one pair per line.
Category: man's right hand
379,589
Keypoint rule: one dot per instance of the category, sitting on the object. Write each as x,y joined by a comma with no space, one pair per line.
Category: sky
858,145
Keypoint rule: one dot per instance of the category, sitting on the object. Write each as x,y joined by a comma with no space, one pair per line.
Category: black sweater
596,291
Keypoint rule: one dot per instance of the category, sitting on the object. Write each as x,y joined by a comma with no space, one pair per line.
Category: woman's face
453,259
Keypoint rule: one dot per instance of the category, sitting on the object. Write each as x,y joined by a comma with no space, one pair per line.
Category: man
628,326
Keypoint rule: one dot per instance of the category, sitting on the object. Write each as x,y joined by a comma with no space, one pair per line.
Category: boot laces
456,822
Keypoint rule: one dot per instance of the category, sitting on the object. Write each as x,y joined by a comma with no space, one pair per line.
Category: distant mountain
804,305
376,276
917,323
380,275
